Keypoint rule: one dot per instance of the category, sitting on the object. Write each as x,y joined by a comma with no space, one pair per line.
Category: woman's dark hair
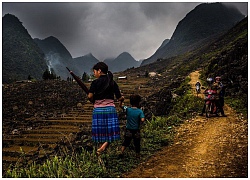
101,65
104,68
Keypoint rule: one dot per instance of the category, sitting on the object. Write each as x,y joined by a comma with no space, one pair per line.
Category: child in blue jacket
134,116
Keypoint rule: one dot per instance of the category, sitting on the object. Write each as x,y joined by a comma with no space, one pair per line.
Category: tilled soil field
41,118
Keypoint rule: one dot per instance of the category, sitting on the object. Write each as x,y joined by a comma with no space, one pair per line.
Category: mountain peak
201,25
10,17
122,62
52,39
205,20
125,54
19,50
53,44
90,55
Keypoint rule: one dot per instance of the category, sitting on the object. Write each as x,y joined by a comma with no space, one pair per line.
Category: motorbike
211,108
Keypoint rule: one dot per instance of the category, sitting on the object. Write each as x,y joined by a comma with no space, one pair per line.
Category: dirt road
203,148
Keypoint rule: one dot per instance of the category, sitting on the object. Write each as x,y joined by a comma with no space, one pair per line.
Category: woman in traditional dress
105,124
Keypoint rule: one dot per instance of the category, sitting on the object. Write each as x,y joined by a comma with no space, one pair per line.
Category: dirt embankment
203,148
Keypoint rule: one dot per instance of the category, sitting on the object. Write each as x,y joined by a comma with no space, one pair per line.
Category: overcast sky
105,29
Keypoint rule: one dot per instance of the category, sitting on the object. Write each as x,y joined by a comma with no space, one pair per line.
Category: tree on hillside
85,77
48,75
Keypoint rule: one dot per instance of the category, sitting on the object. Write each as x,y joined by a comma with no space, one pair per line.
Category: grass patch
238,104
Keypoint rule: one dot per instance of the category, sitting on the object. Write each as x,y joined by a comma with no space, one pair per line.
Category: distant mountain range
58,57
24,56
49,53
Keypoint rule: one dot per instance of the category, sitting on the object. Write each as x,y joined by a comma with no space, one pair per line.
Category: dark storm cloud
103,29
49,19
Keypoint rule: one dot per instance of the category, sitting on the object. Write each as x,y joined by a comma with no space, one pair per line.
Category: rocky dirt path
203,148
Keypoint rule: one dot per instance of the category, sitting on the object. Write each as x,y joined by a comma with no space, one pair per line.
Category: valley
46,118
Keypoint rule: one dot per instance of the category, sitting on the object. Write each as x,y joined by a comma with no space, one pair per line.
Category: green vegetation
227,57
238,104
156,133
21,56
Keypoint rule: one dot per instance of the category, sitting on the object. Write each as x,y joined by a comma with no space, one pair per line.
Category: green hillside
228,58
21,56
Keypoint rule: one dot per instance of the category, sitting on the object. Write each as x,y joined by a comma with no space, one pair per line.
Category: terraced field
37,137
35,143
